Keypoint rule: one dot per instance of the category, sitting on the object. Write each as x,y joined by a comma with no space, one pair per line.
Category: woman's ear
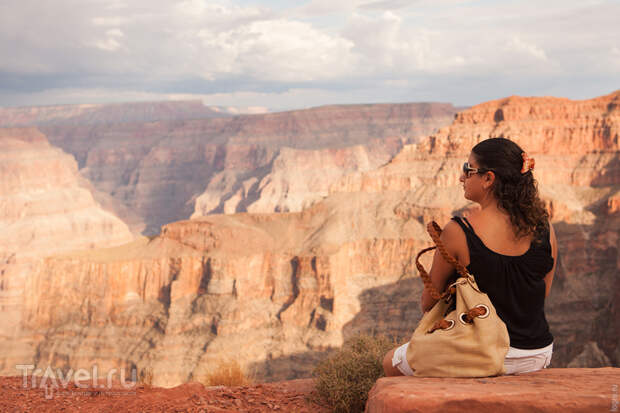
489,178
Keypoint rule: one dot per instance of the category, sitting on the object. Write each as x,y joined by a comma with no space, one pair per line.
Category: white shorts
517,361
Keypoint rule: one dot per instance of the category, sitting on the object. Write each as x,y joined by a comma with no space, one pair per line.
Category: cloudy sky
278,54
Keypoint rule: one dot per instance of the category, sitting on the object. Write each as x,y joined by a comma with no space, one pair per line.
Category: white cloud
614,59
116,5
109,21
112,41
275,50
323,7
527,48
385,4
387,43
343,50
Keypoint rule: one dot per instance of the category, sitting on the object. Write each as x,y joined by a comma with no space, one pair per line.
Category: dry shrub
344,379
146,377
228,373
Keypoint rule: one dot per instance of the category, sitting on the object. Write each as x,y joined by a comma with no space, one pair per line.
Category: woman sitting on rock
510,247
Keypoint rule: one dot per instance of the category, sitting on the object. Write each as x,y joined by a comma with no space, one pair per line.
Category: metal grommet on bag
485,315
451,325
441,325
461,319
472,314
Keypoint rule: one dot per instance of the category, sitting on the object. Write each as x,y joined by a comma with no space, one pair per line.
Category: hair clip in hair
528,163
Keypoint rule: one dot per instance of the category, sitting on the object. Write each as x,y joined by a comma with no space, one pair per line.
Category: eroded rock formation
279,290
44,205
149,168
45,208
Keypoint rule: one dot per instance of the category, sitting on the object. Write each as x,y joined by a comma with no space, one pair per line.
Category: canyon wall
293,180
575,144
151,173
45,208
267,288
279,291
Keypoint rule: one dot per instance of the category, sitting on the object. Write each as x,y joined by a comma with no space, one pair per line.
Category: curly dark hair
516,193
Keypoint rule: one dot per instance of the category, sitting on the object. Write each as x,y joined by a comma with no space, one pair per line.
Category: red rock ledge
549,390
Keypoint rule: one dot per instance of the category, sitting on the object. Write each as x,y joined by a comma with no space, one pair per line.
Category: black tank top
515,285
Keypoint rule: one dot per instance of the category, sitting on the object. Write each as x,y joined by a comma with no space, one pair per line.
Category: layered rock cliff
45,208
268,287
278,291
575,144
157,170
294,179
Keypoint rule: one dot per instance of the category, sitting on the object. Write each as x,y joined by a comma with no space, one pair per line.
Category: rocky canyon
272,238
154,163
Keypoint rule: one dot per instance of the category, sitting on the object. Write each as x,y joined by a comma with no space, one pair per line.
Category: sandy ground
284,396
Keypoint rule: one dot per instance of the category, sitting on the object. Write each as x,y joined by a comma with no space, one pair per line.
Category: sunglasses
467,169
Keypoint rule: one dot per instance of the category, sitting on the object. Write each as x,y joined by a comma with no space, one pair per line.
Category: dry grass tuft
344,379
228,373
146,377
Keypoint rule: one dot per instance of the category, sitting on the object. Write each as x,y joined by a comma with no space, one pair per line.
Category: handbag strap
435,232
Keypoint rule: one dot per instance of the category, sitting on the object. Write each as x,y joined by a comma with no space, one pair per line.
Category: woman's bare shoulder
454,235
474,217
473,214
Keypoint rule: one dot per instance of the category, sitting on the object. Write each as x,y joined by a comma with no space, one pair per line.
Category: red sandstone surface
289,396
545,391
548,390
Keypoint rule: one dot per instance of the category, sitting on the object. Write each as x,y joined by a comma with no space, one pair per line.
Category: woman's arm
441,269
554,253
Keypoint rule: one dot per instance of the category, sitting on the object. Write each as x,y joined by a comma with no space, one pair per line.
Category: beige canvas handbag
469,341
